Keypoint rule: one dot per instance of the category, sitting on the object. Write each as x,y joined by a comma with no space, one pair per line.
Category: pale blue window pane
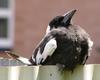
3,27
4,3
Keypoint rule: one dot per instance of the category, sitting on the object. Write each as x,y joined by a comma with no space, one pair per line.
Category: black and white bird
64,44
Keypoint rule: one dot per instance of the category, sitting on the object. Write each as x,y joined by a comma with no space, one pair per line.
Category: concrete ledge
87,72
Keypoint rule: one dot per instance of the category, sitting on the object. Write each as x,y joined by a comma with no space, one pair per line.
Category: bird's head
61,21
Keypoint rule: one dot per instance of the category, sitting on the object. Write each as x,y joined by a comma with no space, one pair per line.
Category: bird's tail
19,58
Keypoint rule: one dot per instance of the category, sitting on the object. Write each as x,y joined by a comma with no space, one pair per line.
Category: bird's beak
68,16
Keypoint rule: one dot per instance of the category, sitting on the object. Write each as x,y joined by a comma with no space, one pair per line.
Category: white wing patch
49,49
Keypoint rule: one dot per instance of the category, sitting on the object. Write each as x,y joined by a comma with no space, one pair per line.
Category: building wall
33,16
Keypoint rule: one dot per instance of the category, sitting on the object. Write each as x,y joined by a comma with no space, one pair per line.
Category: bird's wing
38,57
49,49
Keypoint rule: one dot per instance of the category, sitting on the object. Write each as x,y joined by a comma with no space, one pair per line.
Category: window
3,27
4,3
6,24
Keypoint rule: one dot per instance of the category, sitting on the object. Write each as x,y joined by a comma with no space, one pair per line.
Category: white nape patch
90,44
49,49
48,29
24,60
38,57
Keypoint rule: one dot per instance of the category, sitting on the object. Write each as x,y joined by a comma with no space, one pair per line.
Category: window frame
8,13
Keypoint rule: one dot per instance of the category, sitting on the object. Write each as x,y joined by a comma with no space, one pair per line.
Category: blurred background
23,23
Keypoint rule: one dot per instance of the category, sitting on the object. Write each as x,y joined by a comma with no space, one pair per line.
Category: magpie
64,44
